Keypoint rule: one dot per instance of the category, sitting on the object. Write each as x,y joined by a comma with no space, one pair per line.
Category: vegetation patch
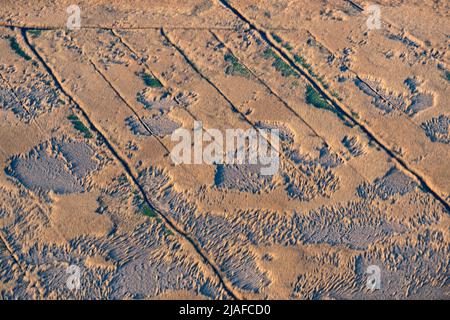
302,61
147,211
78,125
150,81
285,69
35,33
235,67
287,46
167,231
268,53
277,38
315,98
17,49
